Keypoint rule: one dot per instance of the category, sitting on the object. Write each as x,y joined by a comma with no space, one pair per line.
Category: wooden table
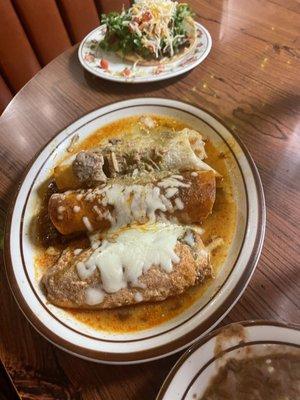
251,81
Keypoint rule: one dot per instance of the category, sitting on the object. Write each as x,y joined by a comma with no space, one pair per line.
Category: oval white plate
68,333
90,60
190,376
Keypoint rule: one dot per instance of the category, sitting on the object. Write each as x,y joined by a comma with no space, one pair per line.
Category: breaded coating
64,287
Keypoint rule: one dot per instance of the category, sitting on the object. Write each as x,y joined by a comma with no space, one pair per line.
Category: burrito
152,151
146,263
186,198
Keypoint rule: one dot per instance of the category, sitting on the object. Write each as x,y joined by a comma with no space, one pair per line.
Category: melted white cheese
189,238
94,295
170,192
140,203
173,182
87,224
97,211
179,204
77,252
133,203
123,261
95,245
83,271
138,297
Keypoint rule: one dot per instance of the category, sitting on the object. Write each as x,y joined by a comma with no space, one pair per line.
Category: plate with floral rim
117,69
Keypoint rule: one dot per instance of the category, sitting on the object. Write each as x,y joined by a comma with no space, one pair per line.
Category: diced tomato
159,69
136,19
89,57
104,64
126,72
146,16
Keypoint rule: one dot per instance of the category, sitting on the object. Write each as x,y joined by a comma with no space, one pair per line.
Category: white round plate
68,333
90,60
191,375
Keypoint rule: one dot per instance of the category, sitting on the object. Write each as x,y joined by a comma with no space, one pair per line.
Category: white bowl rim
213,334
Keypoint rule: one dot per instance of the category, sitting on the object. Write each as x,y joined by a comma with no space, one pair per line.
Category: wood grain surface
251,81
